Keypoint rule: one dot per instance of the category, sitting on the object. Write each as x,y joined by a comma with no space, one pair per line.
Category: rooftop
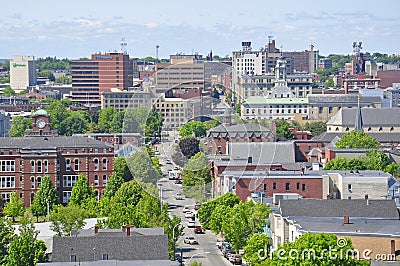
371,117
263,100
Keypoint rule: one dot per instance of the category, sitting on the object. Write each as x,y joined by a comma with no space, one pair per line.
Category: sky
74,29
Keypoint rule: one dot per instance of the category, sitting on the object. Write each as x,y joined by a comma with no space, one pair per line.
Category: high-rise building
22,72
101,73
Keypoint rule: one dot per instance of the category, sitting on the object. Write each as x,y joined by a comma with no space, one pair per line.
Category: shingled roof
339,208
371,117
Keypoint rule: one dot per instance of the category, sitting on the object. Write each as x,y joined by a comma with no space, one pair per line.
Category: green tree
6,235
254,244
76,123
375,160
218,216
393,169
15,207
58,113
228,200
18,126
25,249
282,129
142,167
193,129
211,123
106,117
345,164
154,123
156,164
316,128
65,219
7,91
189,146
121,168
46,194
63,80
135,120
196,171
330,83
81,191
113,184
357,140
319,244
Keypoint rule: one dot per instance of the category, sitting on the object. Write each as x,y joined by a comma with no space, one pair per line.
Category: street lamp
207,252
173,237
160,191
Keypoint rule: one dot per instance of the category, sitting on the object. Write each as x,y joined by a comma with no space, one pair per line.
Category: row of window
39,166
70,180
7,181
7,166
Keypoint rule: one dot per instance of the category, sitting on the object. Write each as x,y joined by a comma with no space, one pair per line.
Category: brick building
100,73
24,161
219,137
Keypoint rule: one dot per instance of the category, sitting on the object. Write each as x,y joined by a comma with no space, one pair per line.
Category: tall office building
22,72
101,73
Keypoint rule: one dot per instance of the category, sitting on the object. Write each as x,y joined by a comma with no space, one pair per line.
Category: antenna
123,45
157,46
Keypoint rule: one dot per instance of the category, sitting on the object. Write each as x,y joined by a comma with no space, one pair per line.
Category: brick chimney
123,228
393,247
366,196
96,229
128,231
328,197
346,220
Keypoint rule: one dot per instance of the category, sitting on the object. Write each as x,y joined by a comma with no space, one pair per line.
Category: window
58,165
72,258
349,187
39,181
68,165
66,196
7,166
104,257
298,186
32,182
104,180
32,166
303,187
96,164
287,186
96,180
69,180
265,187
104,167
6,196
39,166
46,166
7,182
274,185
76,165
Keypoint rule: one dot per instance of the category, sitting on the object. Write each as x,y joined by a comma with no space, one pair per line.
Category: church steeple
359,122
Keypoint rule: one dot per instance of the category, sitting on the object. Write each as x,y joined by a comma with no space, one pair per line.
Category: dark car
197,229
178,181
197,206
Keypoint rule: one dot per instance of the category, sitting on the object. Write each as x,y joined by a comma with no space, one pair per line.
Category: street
206,251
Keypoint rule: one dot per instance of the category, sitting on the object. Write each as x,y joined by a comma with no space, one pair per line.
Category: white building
22,72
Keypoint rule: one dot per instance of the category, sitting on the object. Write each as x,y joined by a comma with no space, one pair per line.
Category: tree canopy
193,129
189,146
15,207
18,126
373,160
357,140
65,219
46,194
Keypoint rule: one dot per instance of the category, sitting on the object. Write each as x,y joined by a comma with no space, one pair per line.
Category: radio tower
123,45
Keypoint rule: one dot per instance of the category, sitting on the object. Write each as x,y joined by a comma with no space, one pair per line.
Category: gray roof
339,208
381,137
357,226
340,99
117,245
371,117
34,143
114,262
264,152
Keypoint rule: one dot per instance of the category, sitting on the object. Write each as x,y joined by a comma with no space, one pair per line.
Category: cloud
152,25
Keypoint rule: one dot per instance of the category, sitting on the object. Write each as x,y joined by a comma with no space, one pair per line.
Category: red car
197,229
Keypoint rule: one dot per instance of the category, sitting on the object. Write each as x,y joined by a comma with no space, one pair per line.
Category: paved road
206,251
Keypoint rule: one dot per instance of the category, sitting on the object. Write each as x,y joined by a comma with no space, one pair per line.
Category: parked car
197,206
176,168
186,209
179,196
197,229
228,252
190,240
190,224
168,161
189,214
236,259
219,243
178,182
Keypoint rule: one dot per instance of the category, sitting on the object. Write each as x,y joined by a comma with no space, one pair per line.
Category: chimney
124,228
128,231
302,171
328,197
96,229
393,247
346,220
366,196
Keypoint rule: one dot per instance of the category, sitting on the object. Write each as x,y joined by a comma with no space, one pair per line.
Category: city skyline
81,28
